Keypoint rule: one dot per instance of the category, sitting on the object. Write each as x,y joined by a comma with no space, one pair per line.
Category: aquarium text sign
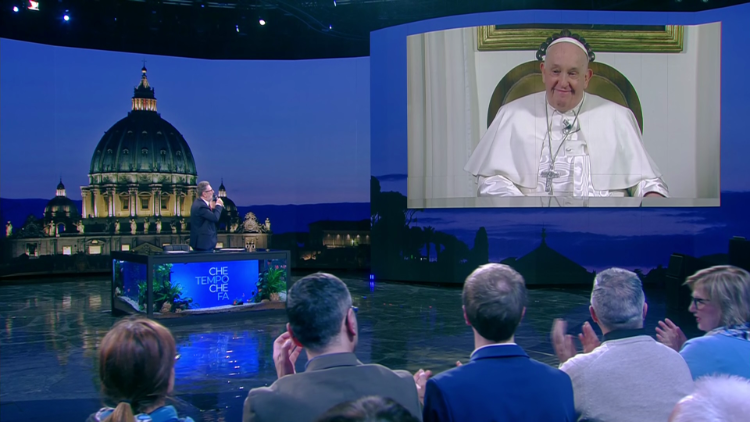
212,284
217,281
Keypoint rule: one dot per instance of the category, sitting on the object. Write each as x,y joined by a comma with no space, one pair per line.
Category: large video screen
641,114
564,115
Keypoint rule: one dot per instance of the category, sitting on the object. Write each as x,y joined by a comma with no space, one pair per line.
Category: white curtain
443,113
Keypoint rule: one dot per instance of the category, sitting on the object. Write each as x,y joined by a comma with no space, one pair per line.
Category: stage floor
49,333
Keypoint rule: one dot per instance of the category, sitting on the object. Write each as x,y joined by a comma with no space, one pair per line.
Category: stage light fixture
15,9
334,3
66,17
237,27
262,22
33,5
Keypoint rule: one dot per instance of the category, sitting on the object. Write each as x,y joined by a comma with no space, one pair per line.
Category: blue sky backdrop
278,132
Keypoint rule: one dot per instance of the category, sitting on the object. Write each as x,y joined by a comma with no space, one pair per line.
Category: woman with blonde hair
136,369
721,305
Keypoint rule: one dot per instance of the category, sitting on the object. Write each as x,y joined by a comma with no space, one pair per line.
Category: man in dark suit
501,382
322,321
204,214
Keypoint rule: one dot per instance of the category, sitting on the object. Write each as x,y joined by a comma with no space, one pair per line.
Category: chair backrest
526,79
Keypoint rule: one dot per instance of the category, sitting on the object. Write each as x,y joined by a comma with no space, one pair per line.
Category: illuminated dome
61,210
142,170
142,143
230,217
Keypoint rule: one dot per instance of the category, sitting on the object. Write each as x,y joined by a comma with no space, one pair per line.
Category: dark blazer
203,225
500,383
327,381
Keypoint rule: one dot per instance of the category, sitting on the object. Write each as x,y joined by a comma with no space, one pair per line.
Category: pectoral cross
549,175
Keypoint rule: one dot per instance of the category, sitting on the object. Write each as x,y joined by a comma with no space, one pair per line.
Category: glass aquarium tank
215,286
129,290
199,283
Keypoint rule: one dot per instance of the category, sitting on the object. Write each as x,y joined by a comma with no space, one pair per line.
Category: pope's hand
670,335
285,354
653,195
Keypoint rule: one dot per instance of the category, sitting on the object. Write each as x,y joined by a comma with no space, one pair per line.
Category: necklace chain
551,172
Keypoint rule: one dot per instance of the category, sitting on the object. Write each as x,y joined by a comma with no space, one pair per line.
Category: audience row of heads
137,356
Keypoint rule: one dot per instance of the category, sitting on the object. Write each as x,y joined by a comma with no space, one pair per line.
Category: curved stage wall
443,241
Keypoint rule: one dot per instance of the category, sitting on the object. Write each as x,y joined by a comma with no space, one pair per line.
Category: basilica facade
142,183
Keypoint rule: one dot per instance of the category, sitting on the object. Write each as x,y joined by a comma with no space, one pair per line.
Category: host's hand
670,335
285,354
420,379
219,202
588,337
561,342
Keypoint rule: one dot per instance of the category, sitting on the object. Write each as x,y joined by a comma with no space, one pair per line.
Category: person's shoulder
704,340
260,399
546,370
100,415
527,102
665,352
385,371
705,344
583,361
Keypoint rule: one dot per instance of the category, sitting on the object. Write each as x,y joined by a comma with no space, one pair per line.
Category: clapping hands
563,343
670,335
420,379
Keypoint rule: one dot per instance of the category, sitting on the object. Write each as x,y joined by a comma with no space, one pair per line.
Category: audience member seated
721,305
368,409
715,399
136,369
322,321
630,376
501,382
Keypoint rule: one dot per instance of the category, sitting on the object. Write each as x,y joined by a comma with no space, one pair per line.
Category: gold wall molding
601,38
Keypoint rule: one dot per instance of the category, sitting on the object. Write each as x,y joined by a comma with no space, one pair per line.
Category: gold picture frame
601,38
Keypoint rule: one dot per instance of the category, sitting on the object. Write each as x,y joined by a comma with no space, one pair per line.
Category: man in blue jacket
501,382
204,215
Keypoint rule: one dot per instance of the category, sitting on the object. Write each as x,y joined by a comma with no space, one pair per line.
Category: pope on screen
564,141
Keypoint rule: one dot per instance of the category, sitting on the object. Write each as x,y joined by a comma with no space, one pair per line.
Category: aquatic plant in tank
167,295
272,283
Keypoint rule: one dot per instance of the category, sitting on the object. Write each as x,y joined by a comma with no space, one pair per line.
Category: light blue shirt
717,354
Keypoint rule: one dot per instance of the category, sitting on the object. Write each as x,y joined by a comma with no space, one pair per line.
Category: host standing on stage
204,215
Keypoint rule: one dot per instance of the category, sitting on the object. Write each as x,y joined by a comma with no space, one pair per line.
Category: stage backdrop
288,140
557,246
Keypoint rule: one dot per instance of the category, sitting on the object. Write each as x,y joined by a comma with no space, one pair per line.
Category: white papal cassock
603,156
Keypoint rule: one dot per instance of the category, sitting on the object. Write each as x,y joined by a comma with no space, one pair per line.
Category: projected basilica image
359,211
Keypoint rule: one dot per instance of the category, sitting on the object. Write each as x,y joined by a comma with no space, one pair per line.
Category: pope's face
566,75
